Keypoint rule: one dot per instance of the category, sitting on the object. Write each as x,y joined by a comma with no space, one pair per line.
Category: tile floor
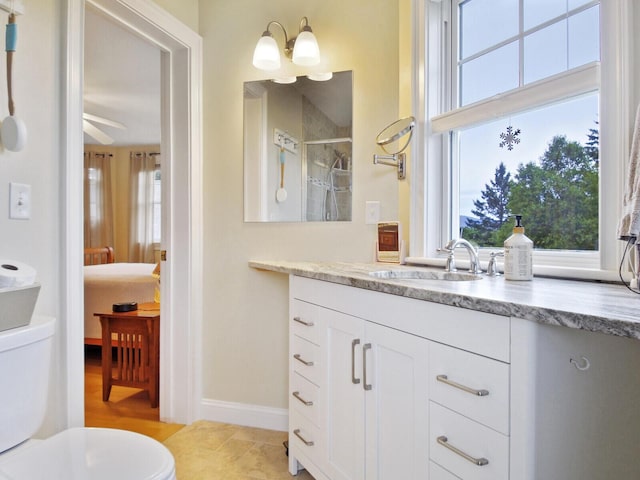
215,451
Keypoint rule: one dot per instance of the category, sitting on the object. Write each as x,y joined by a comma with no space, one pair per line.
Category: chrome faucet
474,262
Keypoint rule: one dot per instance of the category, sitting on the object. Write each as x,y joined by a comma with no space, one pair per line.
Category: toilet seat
90,453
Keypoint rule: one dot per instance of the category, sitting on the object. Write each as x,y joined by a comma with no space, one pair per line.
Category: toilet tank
25,360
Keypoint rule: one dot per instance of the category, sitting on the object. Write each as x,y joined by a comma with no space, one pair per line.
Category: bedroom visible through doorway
122,202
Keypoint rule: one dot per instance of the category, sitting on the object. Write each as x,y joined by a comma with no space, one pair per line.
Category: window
157,205
513,118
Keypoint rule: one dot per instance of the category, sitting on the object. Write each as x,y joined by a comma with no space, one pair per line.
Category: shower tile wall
328,167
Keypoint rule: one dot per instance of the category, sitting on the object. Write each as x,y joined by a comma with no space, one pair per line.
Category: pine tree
558,198
491,211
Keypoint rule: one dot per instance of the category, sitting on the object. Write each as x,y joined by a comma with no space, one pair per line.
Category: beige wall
184,10
245,312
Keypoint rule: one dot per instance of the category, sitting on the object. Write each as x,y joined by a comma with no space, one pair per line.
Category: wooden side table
136,337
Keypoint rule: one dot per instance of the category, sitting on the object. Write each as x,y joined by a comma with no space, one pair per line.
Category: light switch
19,201
372,212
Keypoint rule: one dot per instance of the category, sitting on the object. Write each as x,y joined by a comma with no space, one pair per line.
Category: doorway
180,383
122,138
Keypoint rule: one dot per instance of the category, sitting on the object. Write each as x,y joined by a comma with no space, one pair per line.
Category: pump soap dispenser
518,254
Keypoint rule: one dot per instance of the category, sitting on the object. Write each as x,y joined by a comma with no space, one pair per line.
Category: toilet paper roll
16,274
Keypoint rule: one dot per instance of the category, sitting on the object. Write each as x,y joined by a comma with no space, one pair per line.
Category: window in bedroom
157,205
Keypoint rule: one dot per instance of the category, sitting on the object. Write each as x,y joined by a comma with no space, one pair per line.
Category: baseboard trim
245,414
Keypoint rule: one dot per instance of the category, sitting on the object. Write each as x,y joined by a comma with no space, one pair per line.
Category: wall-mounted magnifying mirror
298,149
393,140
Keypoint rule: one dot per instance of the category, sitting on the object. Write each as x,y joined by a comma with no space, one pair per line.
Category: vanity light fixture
303,49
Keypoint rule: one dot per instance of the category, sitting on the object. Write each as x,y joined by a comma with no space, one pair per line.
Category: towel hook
581,365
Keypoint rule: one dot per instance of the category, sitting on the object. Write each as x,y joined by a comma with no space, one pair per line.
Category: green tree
558,199
491,211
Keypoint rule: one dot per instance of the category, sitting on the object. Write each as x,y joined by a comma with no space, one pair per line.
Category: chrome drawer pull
479,393
365,347
308,403
299,320
308,443
300,359
354,380
444,441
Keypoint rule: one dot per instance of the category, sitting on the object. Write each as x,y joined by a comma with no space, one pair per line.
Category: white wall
245,312
37,96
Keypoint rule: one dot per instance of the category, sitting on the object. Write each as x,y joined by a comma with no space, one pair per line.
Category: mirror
298,149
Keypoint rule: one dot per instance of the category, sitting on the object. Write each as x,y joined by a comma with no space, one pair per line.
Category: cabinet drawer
471,439
304,321
305,359
304,436
487,381
436,472
305,397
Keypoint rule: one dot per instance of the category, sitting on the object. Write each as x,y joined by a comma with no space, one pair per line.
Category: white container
518,254
16,305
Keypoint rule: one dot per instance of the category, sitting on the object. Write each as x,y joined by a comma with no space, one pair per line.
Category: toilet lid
91,453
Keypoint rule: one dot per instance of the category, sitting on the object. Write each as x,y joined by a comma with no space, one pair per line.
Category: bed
110,282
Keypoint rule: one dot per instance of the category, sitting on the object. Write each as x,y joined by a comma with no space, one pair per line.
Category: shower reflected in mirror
298,139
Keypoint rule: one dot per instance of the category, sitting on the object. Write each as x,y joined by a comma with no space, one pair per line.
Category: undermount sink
422,274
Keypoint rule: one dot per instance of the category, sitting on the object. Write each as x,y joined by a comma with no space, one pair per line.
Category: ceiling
121,82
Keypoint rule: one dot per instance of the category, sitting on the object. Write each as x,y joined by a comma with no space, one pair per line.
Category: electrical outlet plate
19,201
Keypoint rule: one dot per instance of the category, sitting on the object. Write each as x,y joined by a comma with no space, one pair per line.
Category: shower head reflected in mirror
393,140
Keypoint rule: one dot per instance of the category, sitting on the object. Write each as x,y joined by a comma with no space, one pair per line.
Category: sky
548,51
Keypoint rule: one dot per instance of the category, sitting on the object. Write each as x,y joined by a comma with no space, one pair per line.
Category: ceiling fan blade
96,133
102,120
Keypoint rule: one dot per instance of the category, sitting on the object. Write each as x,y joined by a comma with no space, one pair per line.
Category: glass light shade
306,51
266,56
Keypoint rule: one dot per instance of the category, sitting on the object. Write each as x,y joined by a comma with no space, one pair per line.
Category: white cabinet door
396,370
343,395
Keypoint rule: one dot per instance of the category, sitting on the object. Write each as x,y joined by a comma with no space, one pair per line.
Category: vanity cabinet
388,387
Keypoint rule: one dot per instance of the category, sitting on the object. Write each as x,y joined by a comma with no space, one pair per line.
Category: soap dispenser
518,254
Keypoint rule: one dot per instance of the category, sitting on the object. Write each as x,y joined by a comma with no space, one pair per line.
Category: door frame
182,273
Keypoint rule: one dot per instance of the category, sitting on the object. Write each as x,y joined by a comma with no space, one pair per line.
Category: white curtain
98,209
141,249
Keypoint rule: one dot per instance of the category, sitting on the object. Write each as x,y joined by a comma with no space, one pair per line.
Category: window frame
430,183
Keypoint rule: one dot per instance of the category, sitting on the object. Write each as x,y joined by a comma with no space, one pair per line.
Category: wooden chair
98,255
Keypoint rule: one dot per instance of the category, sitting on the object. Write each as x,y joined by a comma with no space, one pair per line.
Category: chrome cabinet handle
308,443
365,347
308,403
444,441
301,360
306,324
354,380
472,391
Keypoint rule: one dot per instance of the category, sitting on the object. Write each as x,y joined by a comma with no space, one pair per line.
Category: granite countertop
593,306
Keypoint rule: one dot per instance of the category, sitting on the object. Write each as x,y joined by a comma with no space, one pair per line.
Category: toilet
76,453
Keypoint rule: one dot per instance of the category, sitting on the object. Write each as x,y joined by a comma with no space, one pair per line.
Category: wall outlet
372,212
19,201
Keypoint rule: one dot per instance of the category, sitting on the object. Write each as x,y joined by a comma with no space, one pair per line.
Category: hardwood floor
127,408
